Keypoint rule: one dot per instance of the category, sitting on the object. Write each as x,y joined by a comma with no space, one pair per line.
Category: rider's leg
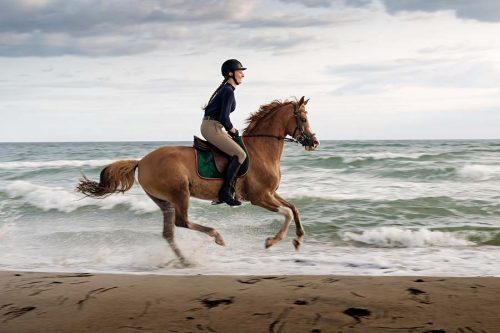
213,132
225,193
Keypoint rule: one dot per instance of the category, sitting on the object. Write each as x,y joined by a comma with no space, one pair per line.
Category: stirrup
218,202
231,201
235,202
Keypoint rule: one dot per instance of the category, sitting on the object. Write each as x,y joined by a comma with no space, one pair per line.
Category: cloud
113,27
95,28
276,42
285,21
82,17
480,10
328,3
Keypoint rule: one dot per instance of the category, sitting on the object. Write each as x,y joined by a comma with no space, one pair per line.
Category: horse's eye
304,120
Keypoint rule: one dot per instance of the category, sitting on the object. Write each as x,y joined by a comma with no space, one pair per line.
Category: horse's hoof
186,263
297,244
269,242
220,240
178,263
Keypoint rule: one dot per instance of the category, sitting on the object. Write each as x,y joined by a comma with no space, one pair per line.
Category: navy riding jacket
222,105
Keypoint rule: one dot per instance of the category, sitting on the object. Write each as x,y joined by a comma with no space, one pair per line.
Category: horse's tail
116,177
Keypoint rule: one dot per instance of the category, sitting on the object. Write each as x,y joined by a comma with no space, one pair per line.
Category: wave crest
479,171
392,237
66,201
54,164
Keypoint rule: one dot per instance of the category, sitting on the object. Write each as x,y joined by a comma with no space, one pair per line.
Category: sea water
368,208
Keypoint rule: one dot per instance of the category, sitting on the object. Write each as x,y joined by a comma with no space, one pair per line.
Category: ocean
417,208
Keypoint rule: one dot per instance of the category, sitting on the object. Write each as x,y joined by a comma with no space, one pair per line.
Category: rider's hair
217,90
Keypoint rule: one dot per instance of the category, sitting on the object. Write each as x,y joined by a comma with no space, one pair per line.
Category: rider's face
238,76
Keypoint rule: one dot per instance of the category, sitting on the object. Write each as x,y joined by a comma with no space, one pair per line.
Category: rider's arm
227,105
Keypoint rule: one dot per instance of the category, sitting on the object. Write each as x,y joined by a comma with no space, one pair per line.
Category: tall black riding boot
225,194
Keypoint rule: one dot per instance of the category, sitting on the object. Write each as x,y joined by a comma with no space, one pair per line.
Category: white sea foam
5,230
54,164
398,237
66,200
244,254
479,172
382,156
389,155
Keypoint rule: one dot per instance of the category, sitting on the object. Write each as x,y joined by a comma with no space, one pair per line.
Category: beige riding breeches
213,132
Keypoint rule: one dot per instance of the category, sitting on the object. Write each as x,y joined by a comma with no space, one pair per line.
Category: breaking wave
54,164
60,199
397,237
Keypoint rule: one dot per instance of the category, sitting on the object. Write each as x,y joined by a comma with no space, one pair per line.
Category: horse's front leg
275,205
299,229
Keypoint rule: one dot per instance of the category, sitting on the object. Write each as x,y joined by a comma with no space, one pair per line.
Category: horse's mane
264,111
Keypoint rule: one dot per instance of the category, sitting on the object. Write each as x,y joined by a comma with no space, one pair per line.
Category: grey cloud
96,15
298,20
275,42
123,27
328,3
113,27
481,10
46,45
310,3
285,22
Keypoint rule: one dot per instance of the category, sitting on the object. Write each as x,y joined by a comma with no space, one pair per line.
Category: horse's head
298,126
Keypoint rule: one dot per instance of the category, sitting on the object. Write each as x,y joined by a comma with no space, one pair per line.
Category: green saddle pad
205,163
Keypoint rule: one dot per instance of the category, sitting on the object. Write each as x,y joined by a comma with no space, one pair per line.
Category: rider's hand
234,133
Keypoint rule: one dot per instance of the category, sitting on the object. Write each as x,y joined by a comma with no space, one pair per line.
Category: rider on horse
217,112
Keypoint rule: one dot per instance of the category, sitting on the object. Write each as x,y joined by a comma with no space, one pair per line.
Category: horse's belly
168,170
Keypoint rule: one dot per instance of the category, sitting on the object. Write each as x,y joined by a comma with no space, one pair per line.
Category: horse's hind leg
299,229
181,220
168,226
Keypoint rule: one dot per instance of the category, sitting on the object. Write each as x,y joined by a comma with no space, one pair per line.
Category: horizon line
123,141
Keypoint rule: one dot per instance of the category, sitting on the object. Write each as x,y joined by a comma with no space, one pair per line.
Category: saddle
211,162
221,159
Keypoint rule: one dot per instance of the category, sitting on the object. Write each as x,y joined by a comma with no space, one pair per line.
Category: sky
141,70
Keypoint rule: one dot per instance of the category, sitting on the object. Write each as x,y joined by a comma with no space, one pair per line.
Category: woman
216,117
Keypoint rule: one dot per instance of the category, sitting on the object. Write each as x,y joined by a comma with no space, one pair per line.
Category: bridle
304,139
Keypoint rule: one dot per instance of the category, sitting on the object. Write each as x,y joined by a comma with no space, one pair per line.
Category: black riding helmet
230,66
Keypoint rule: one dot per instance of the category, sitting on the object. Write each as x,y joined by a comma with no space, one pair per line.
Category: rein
271,136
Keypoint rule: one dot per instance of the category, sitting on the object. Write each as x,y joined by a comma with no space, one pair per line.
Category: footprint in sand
357,313
16,312
419,296
212,302
249,281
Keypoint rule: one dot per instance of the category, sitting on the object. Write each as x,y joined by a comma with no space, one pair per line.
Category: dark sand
48,302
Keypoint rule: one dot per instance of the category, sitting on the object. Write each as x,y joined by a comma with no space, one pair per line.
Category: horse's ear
307,100
301,101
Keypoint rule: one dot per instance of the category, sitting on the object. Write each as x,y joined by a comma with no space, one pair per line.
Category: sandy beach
83,302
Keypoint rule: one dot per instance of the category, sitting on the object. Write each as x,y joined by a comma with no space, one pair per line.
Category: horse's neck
268,149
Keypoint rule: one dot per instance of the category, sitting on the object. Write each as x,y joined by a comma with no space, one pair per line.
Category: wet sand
66,302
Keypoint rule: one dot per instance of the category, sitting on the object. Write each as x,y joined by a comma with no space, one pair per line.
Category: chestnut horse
168,174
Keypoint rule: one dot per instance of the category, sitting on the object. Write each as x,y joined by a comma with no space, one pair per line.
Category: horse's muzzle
316,143
309,142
